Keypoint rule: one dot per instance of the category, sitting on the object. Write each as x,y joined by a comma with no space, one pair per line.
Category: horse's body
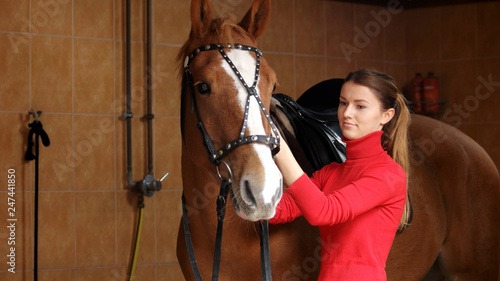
454,189
454,186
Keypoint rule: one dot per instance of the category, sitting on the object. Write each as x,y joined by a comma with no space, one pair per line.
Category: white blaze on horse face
246,64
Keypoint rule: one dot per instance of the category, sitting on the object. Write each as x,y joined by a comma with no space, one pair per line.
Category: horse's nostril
249,195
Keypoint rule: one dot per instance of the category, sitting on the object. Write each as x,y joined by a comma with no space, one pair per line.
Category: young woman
359,204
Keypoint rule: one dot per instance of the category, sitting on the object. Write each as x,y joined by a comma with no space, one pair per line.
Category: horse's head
227,88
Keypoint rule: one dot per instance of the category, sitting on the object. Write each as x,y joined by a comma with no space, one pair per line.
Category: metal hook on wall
35,113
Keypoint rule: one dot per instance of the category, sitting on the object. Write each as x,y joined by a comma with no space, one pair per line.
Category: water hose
133,264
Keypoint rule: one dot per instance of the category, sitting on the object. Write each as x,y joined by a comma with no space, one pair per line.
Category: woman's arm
377,187
289,167
287,210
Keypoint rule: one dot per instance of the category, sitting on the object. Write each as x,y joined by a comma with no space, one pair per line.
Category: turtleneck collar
366,146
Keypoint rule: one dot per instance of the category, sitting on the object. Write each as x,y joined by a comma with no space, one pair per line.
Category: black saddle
315,123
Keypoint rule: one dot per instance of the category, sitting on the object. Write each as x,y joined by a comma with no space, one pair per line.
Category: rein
215,157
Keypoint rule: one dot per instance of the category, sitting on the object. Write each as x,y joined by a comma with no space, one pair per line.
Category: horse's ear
201,16
256,19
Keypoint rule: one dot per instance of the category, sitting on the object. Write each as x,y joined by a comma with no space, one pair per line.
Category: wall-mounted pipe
128,114
148,185
149,85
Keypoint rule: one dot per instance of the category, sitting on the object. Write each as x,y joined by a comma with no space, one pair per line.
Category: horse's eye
274,87
203,89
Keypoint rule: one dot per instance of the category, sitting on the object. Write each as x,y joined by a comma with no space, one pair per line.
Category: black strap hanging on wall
37,130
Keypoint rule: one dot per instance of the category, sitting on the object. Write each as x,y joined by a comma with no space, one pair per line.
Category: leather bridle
215,157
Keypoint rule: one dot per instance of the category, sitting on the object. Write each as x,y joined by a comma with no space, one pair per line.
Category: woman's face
360,112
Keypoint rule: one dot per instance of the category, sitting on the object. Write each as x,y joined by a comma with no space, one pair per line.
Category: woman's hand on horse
287,164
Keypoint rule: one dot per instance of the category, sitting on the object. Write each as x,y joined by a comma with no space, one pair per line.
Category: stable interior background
67,59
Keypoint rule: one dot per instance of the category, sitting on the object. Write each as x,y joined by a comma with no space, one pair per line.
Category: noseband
215,156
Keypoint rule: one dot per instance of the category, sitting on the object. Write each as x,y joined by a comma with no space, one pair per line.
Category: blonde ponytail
396,144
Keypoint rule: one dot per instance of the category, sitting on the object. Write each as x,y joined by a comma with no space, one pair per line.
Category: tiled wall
461,45
68,62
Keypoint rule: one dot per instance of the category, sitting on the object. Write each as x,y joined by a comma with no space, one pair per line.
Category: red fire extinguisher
431,93
417,92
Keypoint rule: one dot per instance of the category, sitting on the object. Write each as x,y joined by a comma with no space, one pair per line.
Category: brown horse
454,185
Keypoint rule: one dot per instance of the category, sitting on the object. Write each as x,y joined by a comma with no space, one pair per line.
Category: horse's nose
260,202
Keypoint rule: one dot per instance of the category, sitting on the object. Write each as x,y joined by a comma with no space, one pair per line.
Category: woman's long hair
395,132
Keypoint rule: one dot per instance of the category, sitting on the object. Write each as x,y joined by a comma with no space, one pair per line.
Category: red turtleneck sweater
357,205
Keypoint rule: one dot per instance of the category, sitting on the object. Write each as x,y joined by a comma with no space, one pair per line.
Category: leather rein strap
221,212
265,256
215,157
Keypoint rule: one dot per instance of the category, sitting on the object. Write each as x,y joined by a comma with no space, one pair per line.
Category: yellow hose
136,246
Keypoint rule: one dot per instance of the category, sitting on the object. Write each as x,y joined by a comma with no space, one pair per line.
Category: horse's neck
200,188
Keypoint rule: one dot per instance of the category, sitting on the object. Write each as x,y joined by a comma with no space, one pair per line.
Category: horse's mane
223,29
